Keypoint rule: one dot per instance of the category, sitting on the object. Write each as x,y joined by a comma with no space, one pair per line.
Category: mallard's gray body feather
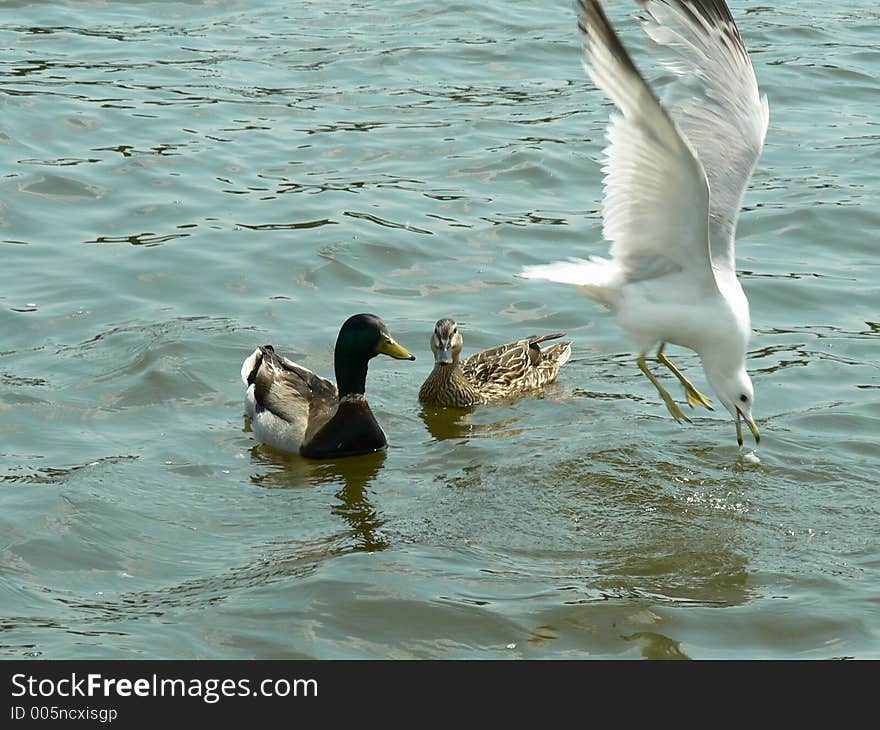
293,409
286,402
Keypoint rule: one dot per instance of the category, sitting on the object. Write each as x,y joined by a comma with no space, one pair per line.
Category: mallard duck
293,409
501,372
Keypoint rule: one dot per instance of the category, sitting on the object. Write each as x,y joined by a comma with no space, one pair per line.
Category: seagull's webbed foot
694,396
671,405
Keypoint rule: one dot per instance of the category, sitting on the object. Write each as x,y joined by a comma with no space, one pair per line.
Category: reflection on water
447,423
354,474
656,646
357,474
457,423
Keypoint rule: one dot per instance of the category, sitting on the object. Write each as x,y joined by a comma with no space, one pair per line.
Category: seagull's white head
737,394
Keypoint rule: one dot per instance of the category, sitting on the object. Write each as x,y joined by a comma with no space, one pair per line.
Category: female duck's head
446,342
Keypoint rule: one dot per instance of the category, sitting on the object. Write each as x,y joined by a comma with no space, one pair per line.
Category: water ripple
56,475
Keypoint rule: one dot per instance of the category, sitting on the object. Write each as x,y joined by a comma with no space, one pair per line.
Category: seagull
674,182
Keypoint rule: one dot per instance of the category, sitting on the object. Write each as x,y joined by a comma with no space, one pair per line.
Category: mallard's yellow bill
387,346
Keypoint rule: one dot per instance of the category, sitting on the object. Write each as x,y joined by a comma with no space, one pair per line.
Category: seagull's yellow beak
387,346
750,422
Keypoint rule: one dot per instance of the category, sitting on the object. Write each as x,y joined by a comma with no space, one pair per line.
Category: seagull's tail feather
599,278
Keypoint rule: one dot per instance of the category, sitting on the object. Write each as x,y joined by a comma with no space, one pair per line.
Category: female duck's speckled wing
293,392
517,366
726,123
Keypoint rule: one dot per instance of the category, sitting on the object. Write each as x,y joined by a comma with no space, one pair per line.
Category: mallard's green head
361,338
365,336
446,342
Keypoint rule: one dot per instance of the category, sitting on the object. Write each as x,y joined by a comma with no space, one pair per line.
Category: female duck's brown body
501,372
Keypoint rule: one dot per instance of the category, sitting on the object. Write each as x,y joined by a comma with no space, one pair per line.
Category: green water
182,182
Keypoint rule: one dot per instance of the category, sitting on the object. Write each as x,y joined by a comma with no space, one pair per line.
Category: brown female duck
495,374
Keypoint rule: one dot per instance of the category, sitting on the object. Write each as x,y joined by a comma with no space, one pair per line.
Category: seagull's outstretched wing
656,207
727,123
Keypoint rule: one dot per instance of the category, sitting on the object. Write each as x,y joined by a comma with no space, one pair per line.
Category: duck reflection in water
456,423
353,475
447,423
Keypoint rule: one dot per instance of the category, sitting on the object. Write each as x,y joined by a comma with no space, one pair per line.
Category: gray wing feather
726,120
293,392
